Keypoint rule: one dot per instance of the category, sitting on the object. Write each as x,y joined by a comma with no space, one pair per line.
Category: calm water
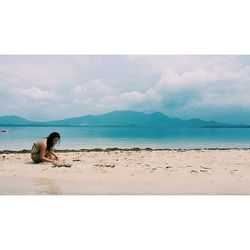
76,137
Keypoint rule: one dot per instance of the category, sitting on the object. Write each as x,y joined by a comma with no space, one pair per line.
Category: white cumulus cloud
209,87
35,94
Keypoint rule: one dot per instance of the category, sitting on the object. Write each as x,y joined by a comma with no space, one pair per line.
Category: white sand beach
199,171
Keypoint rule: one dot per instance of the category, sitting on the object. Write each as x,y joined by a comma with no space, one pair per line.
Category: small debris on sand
205,167
62,165
105,165
194,171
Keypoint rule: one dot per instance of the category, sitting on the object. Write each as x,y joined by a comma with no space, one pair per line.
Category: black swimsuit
34,145
36,156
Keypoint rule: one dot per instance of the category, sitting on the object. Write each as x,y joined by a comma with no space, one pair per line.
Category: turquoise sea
20,138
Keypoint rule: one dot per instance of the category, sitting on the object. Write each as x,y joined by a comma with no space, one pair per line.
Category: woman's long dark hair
50,140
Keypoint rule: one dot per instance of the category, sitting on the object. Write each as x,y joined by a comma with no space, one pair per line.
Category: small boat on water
4,131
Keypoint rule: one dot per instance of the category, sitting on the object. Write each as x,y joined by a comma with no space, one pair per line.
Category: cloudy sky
56,87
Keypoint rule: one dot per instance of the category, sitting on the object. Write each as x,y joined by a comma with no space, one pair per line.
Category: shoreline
25,151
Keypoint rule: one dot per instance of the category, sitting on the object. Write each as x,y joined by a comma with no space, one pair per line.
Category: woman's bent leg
36,158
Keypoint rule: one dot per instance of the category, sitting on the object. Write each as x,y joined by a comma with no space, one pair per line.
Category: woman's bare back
37,146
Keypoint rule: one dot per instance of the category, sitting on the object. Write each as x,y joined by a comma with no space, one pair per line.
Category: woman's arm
53,153
42,154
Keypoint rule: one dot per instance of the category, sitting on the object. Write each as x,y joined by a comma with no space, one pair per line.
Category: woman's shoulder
41,142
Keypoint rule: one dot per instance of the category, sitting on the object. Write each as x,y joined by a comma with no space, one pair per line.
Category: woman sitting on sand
43,150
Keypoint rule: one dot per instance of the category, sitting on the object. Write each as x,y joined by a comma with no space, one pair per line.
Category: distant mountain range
119,119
